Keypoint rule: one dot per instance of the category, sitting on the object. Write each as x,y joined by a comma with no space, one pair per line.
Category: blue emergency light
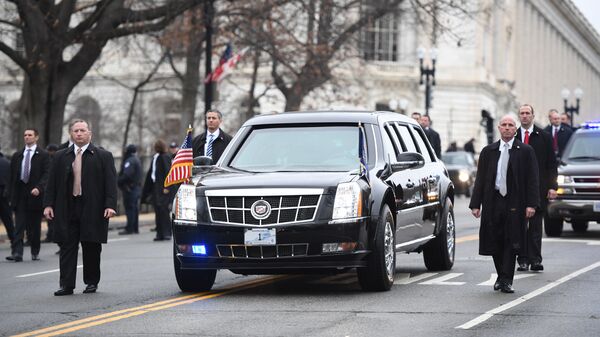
591,125
199,249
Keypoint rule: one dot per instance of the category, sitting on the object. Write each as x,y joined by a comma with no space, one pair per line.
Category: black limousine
316,192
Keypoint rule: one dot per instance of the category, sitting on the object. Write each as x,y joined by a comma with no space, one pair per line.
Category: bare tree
53,30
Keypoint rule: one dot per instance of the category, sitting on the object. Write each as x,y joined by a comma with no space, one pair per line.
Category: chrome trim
422,206
228,148
277,246
347,220
580,203
263,192
429,237
185,222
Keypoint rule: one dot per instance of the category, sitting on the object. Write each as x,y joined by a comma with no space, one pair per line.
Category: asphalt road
138,296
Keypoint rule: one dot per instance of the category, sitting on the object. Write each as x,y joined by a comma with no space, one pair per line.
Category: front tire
553,226
438,253
193,280
381,264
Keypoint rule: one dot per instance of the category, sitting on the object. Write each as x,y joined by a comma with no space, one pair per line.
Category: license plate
596,206
259,236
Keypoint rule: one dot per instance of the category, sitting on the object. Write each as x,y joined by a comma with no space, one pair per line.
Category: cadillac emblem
260,209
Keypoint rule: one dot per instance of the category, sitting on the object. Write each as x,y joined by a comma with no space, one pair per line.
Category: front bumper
298,246
573,209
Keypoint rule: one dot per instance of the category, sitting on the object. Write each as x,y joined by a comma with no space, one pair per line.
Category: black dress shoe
506,288
10,258
497,285
523,266
35,257
63,292
91,288
537,266
14,258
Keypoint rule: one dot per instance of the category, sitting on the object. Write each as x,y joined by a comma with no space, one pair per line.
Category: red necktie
555,140
526,141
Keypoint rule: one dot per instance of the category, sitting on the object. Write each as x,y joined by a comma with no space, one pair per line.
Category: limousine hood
233,179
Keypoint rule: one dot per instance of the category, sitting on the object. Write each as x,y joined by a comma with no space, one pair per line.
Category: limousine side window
406,138
421,140
390,141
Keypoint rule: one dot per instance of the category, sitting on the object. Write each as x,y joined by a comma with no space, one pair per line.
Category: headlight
348,201
185,203
564,179
463,175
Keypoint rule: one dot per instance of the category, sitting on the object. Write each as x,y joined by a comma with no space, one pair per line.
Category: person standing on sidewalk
155,193
27,181
81,197
541,142
5,214
129,179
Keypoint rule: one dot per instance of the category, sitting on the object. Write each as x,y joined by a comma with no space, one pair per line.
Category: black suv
316,191
578,198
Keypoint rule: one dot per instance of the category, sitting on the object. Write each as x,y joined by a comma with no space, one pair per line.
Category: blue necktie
26,167
209,146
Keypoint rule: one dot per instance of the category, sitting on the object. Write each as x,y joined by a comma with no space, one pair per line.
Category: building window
380,38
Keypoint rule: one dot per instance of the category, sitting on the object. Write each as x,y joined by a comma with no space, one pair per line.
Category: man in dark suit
217,138
27,182
5,214
506,187
130,177
156,194
541,142
432,135
559,132
81,197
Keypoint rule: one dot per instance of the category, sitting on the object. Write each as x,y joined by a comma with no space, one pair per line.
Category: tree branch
13,55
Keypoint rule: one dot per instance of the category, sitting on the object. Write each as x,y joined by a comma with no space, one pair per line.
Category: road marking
44,272
442,280
489,314
493,277
140,310
472,237
588,242
119,239
405,278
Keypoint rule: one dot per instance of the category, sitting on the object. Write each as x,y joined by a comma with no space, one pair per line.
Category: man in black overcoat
27,182
505,195
432,135
156,194
560,133
129,180
217,138
541,142
5,214
81,197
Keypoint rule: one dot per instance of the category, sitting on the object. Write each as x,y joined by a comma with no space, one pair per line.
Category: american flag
181,166
227,62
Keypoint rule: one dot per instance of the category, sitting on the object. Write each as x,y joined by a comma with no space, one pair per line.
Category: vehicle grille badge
260,209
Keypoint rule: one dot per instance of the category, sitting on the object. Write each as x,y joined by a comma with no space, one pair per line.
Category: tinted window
393,138
407,138
420,137
327,148
583,147
458,158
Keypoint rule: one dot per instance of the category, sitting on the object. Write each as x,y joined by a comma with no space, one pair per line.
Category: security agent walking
432,135
560,133
213,142
81,196
506,187
28,176
541,142
5,214
130,177
156,194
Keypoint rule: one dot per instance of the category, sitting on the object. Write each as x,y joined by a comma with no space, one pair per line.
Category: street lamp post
427,72
571,110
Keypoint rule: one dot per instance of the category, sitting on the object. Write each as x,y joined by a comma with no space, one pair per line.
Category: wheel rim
450,235
388,242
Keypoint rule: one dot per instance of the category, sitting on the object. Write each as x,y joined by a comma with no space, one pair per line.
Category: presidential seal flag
362,152
181,167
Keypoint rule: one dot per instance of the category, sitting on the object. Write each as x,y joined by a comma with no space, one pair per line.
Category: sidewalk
145,219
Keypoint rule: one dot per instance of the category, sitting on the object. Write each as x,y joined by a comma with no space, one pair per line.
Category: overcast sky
591,10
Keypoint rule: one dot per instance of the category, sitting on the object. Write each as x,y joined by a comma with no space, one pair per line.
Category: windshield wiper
584,157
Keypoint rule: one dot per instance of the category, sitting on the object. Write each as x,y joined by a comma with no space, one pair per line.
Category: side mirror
408,160
202,161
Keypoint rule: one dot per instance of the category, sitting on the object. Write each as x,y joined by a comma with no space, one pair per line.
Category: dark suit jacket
564,134
219,145
153,191
541,142
522,183
4,171
38,177
434,139
99,191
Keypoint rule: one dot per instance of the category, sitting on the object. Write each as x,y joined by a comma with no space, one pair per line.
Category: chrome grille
586,185
263,252
285,209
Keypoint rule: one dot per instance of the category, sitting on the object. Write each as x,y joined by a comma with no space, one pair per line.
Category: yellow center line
472,237
136,311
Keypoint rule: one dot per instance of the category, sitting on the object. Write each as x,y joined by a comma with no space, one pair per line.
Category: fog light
561,190
338,247
199,249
